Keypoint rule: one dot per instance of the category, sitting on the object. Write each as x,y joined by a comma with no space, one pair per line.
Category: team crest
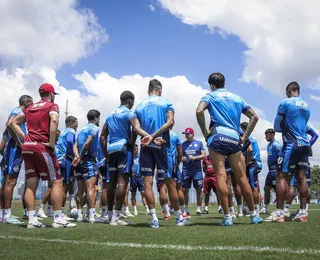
195,145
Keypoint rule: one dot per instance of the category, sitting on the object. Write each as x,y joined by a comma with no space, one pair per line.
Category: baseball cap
46,87
188,130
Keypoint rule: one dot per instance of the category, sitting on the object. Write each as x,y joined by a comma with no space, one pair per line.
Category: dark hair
216,79
135,146
269,131
244,126
23,99
126,96
154,84
44,94
293,86
70,120
92,114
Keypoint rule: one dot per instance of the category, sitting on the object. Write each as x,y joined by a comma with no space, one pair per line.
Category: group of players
234,157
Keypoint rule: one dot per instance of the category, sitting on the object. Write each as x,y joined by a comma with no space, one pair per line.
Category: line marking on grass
173,247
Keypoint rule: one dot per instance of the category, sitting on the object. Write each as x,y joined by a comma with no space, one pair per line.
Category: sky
91,51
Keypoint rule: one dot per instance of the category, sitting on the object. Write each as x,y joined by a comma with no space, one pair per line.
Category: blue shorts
86,169
196,179
152,157
120,162
224,144
136,184
160,182
293,157
67,172
271,179
228,167
104,171
294,182
252,174
13,159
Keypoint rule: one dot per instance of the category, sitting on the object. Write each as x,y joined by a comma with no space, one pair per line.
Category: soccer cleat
256,220
300,218
118,222
263,211
275,218
63,224
36,224
205,212
198,213
25,217
80,218
12,220
183,222
155,224
147,212
240,215
66,218
41,214
135,213
220,211
186,216
233,216
287,214
96,219
227,221
122,216
129,215
168,218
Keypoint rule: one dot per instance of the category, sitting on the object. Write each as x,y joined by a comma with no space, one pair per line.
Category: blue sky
157,43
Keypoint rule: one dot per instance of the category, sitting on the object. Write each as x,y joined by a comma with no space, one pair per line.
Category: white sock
302,211
178,214
219,207
153,215
287,207
227,215
256,207
116,215
110,214
231,209
240,209
79,211
166,210
6,213
198,209
127,209
32,215
104,211
41,206
253,213
92,212
147,208
307,207
206,208
186,208
57,215
1,213
135,209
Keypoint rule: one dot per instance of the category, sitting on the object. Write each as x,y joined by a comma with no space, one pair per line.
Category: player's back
296,116
273,154
174,142
38,120
61,146
255,150
89,130
14,112
152,114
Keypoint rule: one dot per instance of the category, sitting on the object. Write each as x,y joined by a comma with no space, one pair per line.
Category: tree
315,176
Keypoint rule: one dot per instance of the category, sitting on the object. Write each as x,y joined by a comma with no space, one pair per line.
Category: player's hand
192,158
145,141
183,159
50,146
76,161
159,141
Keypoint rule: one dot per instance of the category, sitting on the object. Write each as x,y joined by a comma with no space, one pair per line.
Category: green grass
204,232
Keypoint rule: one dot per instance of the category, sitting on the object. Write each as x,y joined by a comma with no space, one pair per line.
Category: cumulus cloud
152,7
282,39
47,33
316,98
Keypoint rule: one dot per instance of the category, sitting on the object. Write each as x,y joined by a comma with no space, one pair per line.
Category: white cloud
282,39
152,7
316,98
47,33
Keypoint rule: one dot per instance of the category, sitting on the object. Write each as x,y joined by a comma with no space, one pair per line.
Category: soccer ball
74,213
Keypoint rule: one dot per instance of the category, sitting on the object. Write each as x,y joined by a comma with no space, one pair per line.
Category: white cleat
263,211
135,213
96,219
240,215
233,216
41,214
129,215
66,218
122,216
118,222
36,224
287,214
12,220
80,218
63,224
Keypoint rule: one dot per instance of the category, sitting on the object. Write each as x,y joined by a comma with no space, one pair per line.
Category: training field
204,240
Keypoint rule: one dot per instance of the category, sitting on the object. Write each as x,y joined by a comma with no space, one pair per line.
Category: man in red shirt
38,146
210,182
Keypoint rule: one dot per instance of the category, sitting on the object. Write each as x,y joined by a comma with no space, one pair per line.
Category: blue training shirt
255,151
136,167
193,148
152,114
89,130
100,156
225,109
14,112
273,154
292,119
64,146
174,143
119,128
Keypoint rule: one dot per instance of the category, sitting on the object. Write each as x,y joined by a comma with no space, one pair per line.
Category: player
225,110
38,153
13,160
192,154
291,120
163,196
85,152
274,147
210,182
136,183
119,153
254,166
154,118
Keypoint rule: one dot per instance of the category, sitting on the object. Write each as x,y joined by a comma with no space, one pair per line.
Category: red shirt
38,120
208,168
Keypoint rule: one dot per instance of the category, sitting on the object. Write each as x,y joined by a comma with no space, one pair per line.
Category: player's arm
202,106
249,155
278,121
103,140
70,144
200,157
313,134
4,140
253,119
86,146
179,151
138,129
134,134
15,129
75,149
54,122
165,127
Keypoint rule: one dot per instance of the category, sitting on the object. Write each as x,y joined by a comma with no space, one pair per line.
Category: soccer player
254,166
291,120
13,160
136,183
210,182
85,151
65,156
119,153
103,170
38,153
192,154
154,118
273,148
224,139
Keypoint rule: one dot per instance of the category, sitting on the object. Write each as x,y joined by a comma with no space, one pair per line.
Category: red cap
46,87
188,130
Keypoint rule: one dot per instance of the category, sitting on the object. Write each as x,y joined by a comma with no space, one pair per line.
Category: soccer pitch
205,239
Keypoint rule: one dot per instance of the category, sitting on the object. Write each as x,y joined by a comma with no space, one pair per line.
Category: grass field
205,239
